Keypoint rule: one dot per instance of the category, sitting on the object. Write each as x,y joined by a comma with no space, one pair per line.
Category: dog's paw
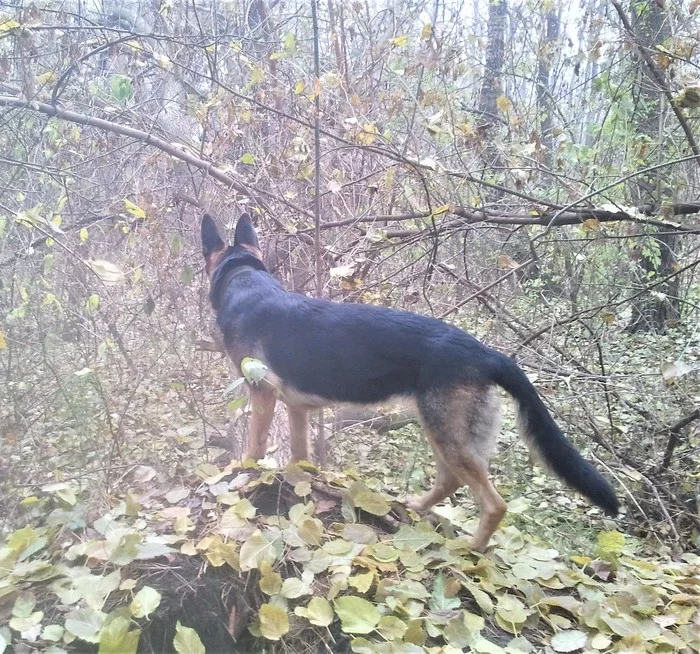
416,504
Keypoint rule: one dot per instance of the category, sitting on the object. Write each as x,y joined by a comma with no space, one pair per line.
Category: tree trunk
492,83
653,310
544,91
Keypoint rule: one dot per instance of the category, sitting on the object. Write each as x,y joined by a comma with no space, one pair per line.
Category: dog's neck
237,270
227,270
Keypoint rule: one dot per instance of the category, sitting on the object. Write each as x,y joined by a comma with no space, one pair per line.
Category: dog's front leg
262,399
299,432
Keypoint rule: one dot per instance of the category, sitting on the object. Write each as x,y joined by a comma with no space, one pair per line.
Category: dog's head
244,251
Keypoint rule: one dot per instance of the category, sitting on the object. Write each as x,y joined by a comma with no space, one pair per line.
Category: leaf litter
255,559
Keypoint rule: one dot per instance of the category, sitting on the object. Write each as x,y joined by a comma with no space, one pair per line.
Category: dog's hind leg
299,432
461,424
262,399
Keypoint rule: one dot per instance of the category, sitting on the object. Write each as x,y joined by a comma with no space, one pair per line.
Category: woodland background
526,170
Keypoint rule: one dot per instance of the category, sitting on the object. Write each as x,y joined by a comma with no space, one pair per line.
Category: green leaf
51,632
416,539
253,370
302,489
610,543
187,641
24,605
86,624
383,552
392,628
115,637
438,600
318,611
96,589
234,405
26,623
457,633
569,640
510,613
145,602
255,551
293,588
357,615
109,273
372,503
244,509
122,88
483,599
274,621
248,158
134,209
83,235
187,274
290,43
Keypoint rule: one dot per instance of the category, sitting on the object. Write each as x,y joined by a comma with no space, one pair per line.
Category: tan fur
262,401
212,261
253,250
462,425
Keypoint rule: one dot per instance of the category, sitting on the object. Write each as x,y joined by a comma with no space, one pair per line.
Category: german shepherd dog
319,353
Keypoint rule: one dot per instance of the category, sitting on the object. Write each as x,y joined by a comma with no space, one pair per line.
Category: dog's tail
541,434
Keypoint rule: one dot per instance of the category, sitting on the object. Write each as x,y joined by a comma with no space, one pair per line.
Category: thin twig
321,448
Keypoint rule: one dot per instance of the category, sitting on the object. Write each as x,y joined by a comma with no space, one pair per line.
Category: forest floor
191,553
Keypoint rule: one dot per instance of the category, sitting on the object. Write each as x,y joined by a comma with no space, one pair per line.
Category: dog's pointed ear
213,245
246,237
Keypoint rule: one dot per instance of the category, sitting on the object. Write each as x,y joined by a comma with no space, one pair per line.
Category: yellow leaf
9,24
300,87
257,75
426,32
591,225
46,78
3,341
368,135
610,542
274,621
362,582
134,209
503,104
400,41
162,61
507,263
187,641
466,129
270,581
441,209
